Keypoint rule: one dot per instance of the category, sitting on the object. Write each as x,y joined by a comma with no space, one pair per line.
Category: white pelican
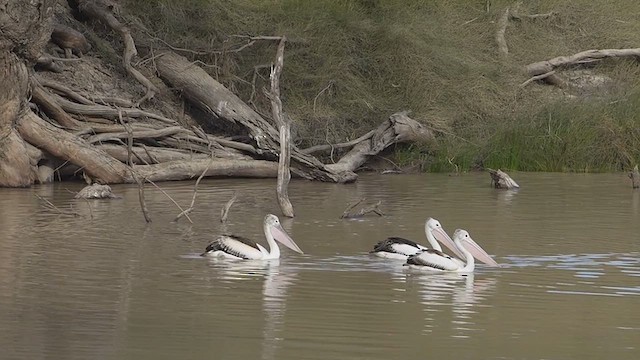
399,248
438,261
236,247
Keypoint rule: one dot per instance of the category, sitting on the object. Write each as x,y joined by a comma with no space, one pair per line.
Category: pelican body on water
400,248
236,247
437,261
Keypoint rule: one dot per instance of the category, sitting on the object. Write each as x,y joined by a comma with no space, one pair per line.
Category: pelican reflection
463,294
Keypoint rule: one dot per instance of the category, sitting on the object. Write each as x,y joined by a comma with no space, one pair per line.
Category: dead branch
500,180
374,208
143,203
224,212
64,145
537,77
148,134
399,127
65,91
49,206
186,215
108,112
102,10
193,199
635,177
41,97
546,66
503,49
284,160
212,97
326,147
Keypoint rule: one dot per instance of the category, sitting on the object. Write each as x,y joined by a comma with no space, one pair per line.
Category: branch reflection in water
461,292
276,281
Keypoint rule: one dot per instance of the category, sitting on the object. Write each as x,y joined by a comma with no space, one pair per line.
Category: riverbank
349,64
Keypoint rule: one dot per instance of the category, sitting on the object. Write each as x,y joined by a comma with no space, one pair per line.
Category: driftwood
96,191
634,175
187,211
399,127
374,208
49,206
111,140
588,56
284,125
212,97
500,180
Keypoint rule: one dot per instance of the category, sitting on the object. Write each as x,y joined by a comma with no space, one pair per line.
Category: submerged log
212,97
501,180
635,177
399,127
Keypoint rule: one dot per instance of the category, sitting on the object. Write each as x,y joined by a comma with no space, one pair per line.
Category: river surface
105,285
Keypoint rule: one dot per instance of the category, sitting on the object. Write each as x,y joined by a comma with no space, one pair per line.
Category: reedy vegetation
351,63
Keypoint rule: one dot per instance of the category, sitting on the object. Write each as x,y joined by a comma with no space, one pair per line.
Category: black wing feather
386,244
219,245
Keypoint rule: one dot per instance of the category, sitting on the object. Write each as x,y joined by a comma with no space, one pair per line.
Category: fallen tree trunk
399,127
182,170
212,97
150,155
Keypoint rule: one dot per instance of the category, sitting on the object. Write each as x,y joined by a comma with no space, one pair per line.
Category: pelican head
434,227
463,238
272,224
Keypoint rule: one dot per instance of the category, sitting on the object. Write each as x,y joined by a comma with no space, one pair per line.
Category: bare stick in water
635,177
374,208
195,193
225,209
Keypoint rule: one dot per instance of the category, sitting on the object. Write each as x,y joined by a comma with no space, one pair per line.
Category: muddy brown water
116,288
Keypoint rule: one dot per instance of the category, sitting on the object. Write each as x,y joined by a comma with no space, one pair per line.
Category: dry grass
352,63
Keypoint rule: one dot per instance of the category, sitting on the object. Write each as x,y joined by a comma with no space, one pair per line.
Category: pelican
399,248
438,261
236,247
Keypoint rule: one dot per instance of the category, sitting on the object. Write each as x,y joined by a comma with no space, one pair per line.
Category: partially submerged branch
373,208
500,180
